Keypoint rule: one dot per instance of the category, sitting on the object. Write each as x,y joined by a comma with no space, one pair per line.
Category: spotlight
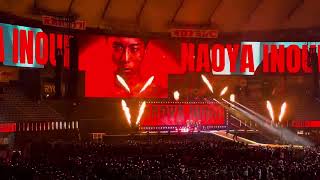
176,95
232,98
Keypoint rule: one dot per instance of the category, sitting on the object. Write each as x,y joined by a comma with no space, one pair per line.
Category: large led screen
135,67
183,115
9,41
121,67
127,67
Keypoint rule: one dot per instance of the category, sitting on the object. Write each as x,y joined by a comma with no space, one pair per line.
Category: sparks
147,84
123,83
141,111
205,80
126,111
270,109
282,111
224,90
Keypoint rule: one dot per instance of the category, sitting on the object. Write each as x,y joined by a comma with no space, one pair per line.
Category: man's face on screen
128,54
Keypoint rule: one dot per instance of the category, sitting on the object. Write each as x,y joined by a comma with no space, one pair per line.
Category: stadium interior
91,112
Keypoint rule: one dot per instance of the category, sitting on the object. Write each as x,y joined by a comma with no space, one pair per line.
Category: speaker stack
74,64
58,72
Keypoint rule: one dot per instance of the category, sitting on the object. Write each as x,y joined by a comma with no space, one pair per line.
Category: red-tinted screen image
182,114
127,66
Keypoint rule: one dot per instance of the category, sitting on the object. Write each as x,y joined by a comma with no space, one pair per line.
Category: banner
194,33
63,23
187,114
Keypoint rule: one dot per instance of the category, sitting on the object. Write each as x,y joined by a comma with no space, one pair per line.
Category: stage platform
231,137
181,136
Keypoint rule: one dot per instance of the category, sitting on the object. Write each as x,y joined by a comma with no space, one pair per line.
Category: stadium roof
161,15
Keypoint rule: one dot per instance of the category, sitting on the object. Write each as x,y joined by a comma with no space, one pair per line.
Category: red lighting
306,124
7,127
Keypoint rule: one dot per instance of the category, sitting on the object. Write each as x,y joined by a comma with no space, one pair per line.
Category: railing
17,107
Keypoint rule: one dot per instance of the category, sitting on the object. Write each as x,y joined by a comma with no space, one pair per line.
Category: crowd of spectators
178,158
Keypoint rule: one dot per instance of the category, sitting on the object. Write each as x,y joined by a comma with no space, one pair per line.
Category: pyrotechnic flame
147,84
126,111
232,98
141,111
270,109
206,81
176,95
123,83
282,111
224,90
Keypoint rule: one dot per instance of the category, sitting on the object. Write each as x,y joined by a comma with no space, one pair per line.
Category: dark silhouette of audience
178,158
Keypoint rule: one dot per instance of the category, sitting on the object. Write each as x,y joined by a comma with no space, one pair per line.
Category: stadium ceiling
158,16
